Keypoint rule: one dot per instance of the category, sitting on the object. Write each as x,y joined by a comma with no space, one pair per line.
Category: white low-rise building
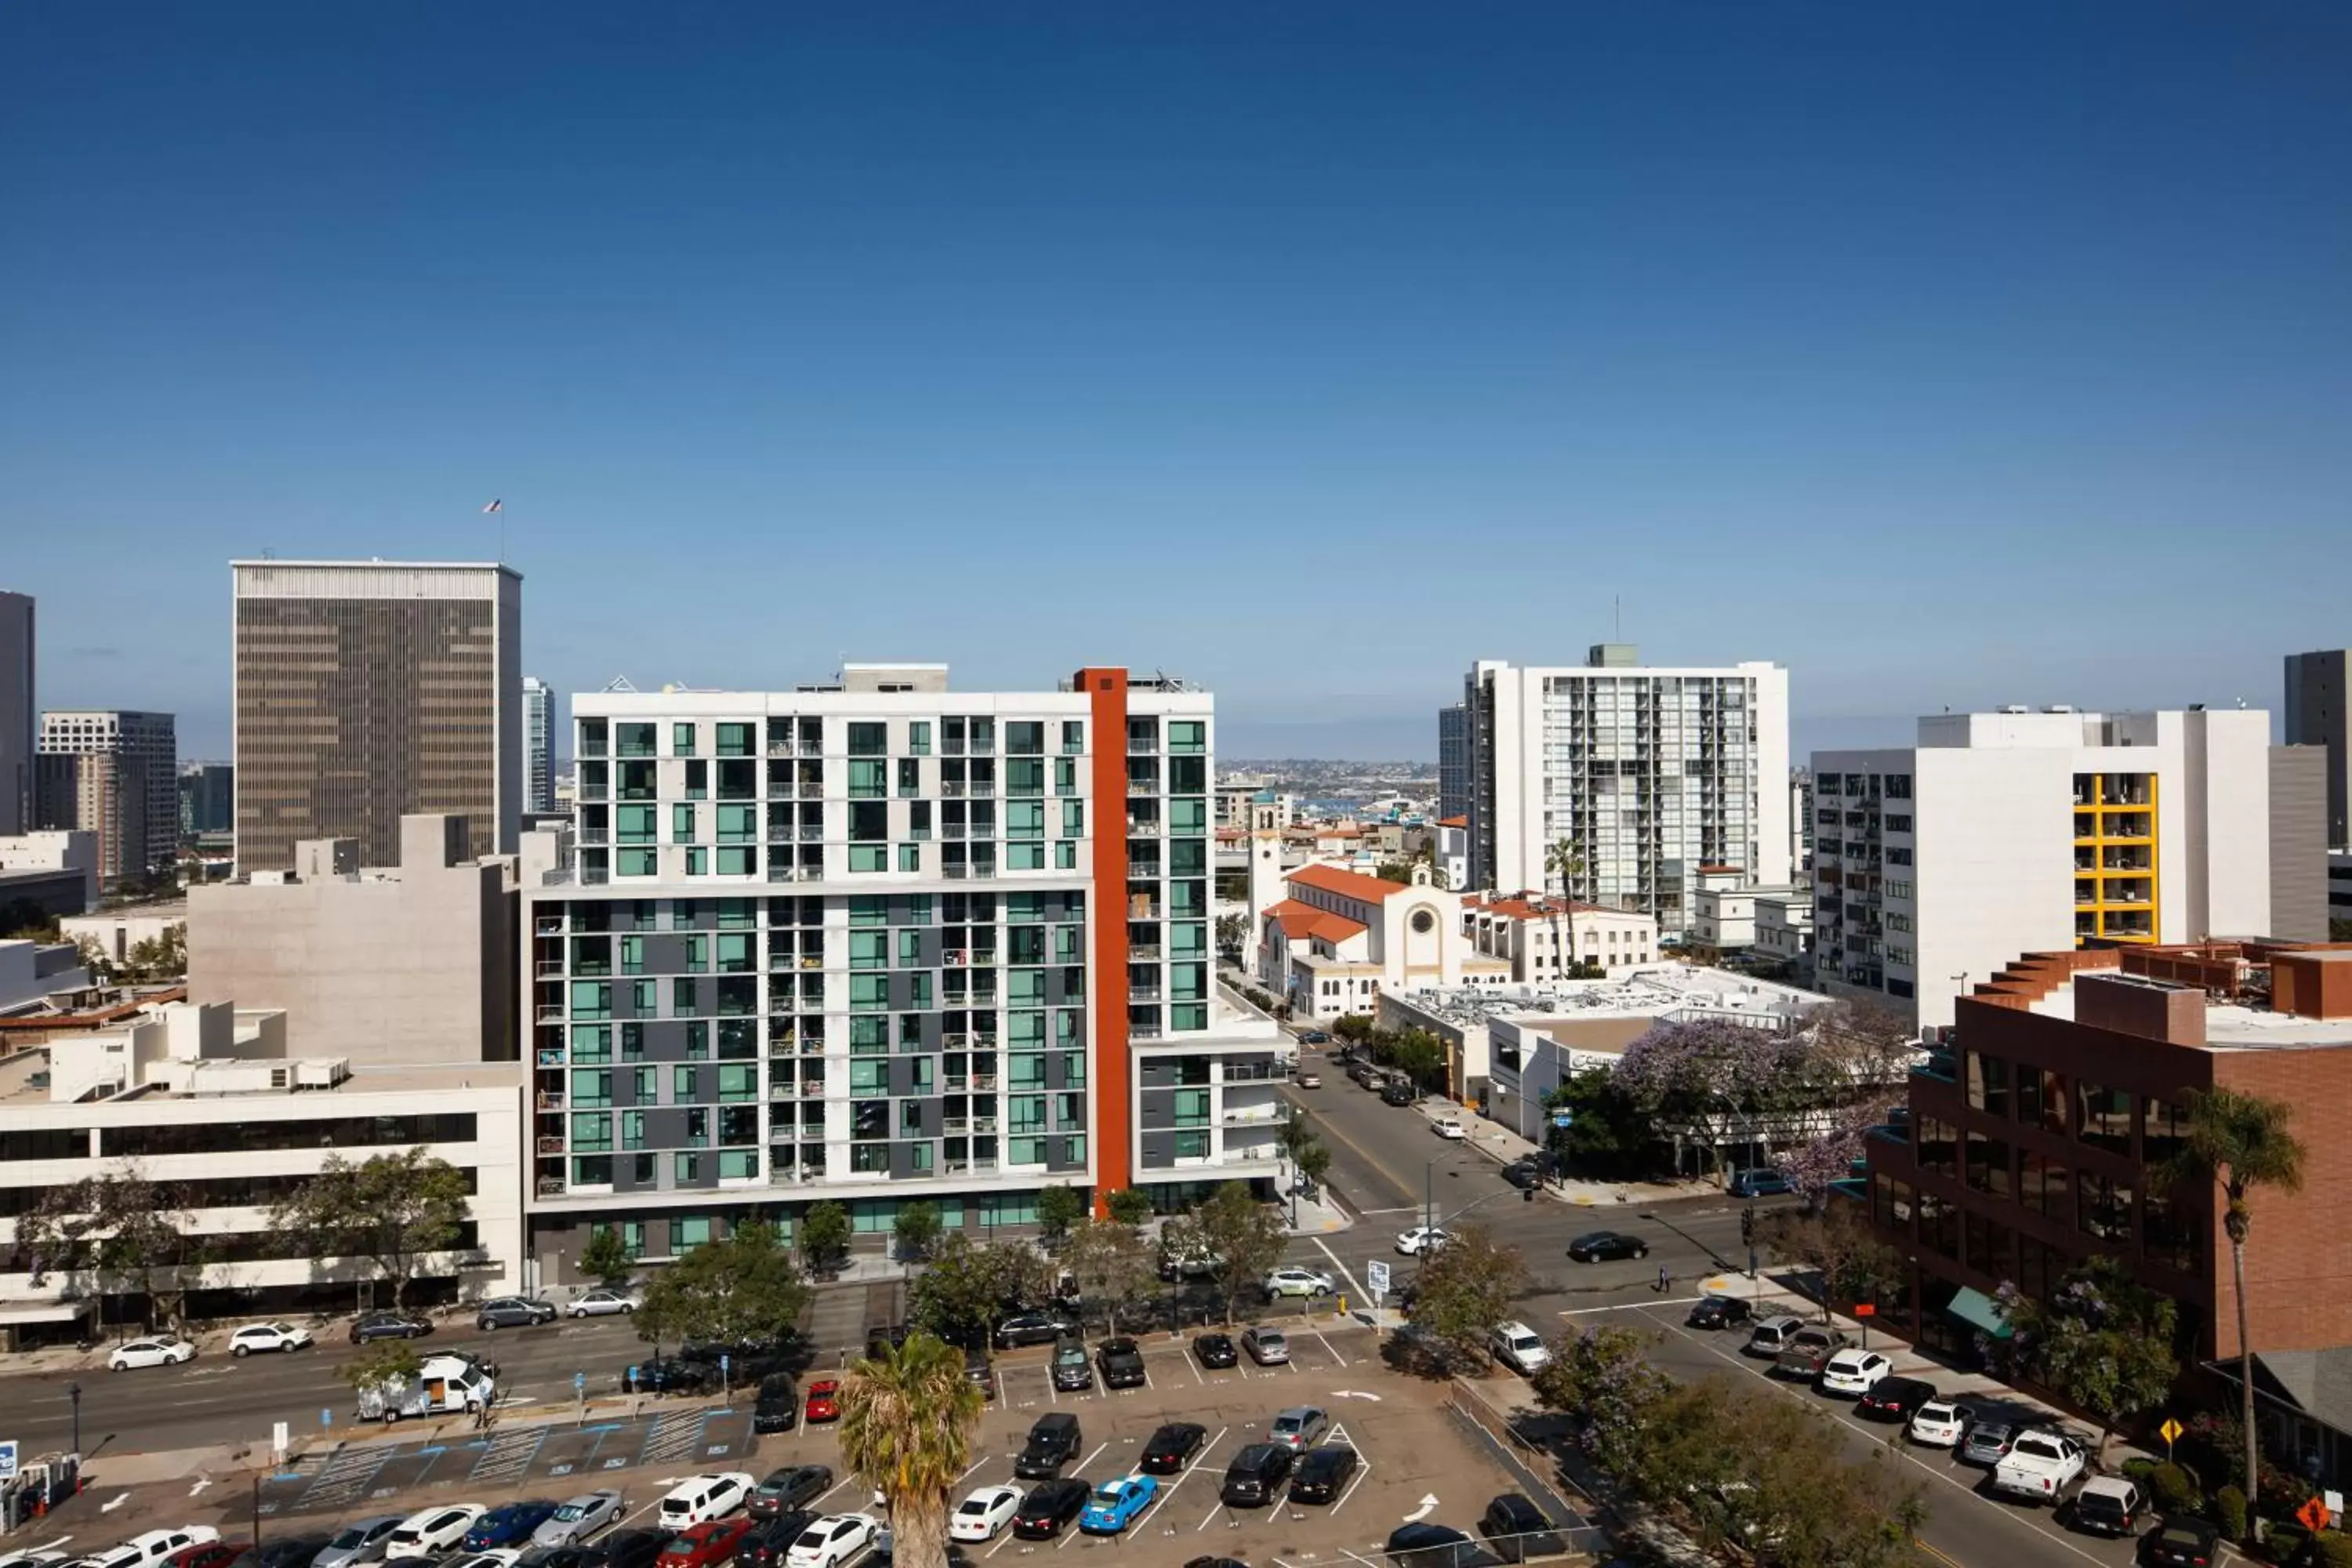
1338,939
1546,939
1784,928
117,932
1724,906
31,971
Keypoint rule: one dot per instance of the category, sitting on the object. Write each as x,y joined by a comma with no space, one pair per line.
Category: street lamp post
73,1393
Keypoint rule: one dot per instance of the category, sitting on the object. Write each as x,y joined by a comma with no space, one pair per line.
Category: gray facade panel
2299,842
1157,1107
1057,1157
1159,1150
666,954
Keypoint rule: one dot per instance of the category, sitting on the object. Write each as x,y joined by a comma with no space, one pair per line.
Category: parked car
1524,1173
255,1339
1049,1506
1298,1428
676,1374
1600,1245
207,1555
571,1554
1121,1361
700,1498
1307,1080
630,1548
2039,1467
513,1312
980,1372
1718,1312
1808,1352
707,1545
156,1350
1215,1351
1268,1347
1399,1091
1034,1328
1895,1398
605,1301
979,1516
1256,1474
1052,1443
374,1326
1314,1037
1449,1128
1072,1373
824,1401
2109,1505
1517,1530
786,1491
509,1524
1987,1443
576,1518
2182,1540
274,1551
152,1547
1853,1371
428,1533
1284,1282
1323,1473
769,1542
1759,1181
1938,1423
1772,1335
778,1404
1520,1347
834,1540
1433,1546
361,1541
1114,1504
1169,1449
1422,1239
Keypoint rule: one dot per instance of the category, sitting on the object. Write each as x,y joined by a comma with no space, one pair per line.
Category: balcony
983,1083
551,1146
551,1186
551,969
1143,870
984,1124
551,925
779,748
808,791
551,1013
550,1100
1142,786
1143,952
1143,993
1143,1031
554,1058
812,833
1252,1116
812,1088
951,1124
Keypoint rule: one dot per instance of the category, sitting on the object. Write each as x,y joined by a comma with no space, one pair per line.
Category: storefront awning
1978,1310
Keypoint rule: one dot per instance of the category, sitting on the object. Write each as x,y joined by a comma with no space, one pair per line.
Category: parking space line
1345,1273
1330,1346
1181,1477
846,1479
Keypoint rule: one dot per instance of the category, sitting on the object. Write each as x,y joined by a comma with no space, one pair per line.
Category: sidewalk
1503,1146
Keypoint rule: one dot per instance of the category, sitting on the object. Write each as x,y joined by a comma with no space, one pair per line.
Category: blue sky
1949,356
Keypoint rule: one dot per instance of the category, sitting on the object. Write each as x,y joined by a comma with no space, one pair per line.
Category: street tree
906,1422
1314,1163
1462,1291
1058,1208
394,1210
1418,1054
605,1257
128,1232
1114,1267
380,1363
1241,1239
824,1235
745,1288
1836,1243
1602,1379
917,1229
2101,1341
1131,1206
1355,1028
2239,1143
969,1287
1563,859
1609,1136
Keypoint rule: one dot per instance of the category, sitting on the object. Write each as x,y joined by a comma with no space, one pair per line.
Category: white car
151,1547
833,1540
162,1349
1422,1239
1297,1282
37,1559
1938,1423
701,1498
1520,1348
430,1531
1448,1127
605,1301
255,1338
2039,1467
1854,1372
979,1516
504,1557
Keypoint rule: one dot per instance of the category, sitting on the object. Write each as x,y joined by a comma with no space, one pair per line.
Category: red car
209,1554
824,1402
701,1545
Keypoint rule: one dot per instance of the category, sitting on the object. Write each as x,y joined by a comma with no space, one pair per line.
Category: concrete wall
2298,839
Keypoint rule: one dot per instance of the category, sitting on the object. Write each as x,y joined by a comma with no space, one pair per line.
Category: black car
573,1554
1718,1312
1073,1374
1398,1091
779,1404
980,1372
1257,1473
283,1552
881,1340
1595,1245
1323,1473
1518,1530
788,1491
676,1374
1034,1328
770,1542
1171,1448
630,1548
1048,1507
1052,1443
1122,1363
377,1326
741,1362
513,1312
1434,1546
1895,1398
2182,1540
1216,1350
1524,1173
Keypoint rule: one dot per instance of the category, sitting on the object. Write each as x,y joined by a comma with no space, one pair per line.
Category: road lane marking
1345,1272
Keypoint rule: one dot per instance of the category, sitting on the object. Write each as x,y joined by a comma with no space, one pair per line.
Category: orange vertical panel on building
1111,1069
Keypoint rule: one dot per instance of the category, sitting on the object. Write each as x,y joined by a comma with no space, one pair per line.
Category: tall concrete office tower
538,741
370,689
17,711
114,773
2316,687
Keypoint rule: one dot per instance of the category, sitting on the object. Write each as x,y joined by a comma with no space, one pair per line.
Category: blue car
1759,1181
510,1524
1115,1504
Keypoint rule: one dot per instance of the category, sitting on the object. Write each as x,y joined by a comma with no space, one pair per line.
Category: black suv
1052,1443
1322,1474
1071,1375
1257,1473
779,1404
1517,1530
1121,1362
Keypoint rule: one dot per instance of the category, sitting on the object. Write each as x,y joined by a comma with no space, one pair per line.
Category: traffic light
1747,1226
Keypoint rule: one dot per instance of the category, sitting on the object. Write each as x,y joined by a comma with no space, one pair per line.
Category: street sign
2172,1429
8,1460
2312,1515
579,1382
1864,1310
1564,1118
326,1419
1376,1275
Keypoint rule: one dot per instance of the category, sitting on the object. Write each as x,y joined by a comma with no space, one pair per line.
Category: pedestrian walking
1664,1279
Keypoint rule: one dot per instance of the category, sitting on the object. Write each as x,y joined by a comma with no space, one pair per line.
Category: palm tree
2237,1143
1564,860
907,1420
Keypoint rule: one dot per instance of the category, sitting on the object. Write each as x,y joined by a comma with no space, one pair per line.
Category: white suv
1520,1348
1854,1372
698,1499
142,1550
257,1337
430,1531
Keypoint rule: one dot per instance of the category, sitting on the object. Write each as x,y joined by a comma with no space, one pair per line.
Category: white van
142,1550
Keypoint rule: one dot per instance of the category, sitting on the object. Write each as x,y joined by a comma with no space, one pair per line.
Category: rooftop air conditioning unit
2015,708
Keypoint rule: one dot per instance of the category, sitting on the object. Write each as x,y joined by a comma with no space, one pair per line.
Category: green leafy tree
1837,1244
1058,1208
1602,1379
1462,1291
1419,1054
745,1287
1564,860
2239,1143
394,1210
1314,1163
381,1365
128,1232
968,1289
1114,1267
824,1235
1353,1028
1131,1206
2101,1341
1242,1239
906,1422
917,1229
605,1257
1610,1136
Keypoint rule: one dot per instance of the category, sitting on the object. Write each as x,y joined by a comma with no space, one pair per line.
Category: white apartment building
1649,773
203,1101
1725,908
1452,852
1997,834
879,942
1547,939
1337,939
116,773
1784,927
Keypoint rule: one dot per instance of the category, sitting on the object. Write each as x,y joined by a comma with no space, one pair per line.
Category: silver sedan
576,1518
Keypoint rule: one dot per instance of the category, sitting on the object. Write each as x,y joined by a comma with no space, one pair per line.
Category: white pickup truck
2040,1466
